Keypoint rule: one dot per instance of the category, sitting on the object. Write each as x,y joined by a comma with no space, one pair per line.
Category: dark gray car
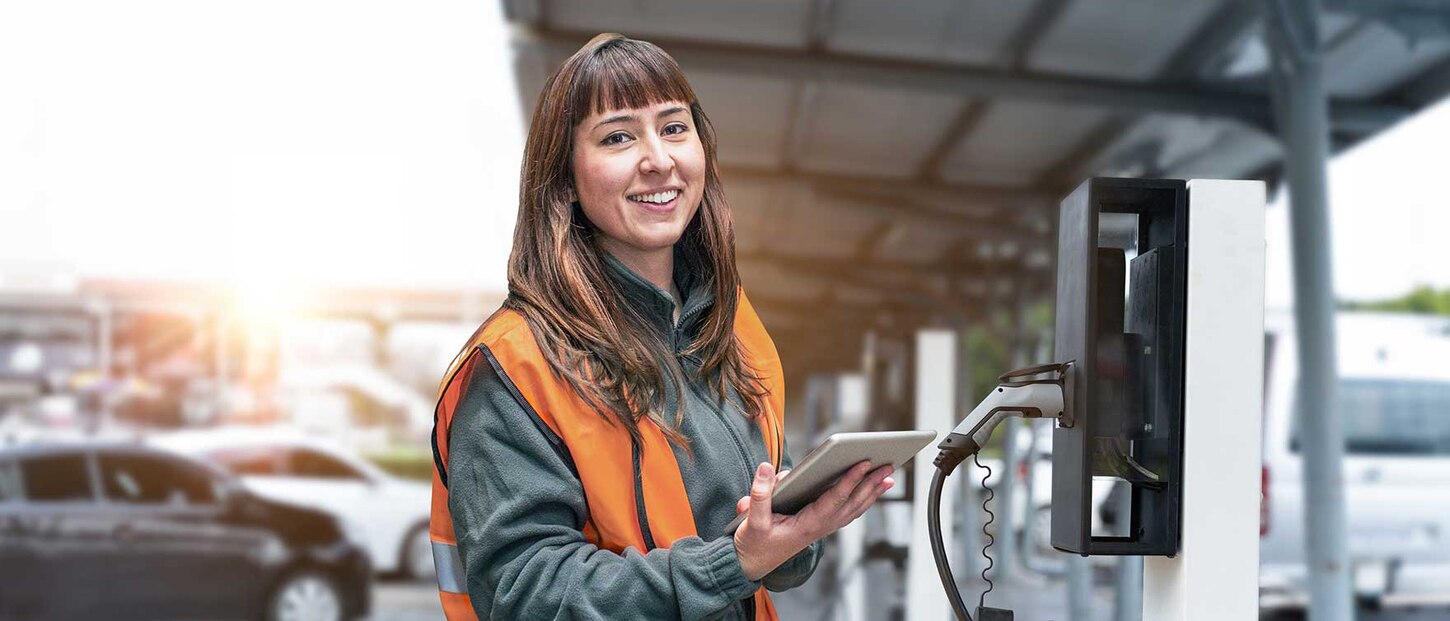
128,532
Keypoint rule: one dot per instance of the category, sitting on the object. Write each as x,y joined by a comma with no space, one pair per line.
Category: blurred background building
285,219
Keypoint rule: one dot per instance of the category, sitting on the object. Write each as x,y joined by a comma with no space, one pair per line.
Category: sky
333,142
274,143
1389,221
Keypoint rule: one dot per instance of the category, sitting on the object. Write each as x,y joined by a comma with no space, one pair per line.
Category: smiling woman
640,175
595,437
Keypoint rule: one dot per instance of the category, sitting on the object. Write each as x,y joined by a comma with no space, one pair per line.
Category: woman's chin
659,237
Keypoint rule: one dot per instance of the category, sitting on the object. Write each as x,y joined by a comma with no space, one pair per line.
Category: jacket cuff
723,563
795,571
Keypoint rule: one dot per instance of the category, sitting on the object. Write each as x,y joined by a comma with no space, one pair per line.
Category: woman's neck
655,266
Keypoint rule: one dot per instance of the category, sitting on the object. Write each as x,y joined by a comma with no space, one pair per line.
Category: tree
1423,300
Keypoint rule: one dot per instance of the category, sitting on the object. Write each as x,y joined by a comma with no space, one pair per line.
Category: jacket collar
656,305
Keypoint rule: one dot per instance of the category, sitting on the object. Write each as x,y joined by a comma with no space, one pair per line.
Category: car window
9,481
251,460
56,478
312,463
148,479
1391,417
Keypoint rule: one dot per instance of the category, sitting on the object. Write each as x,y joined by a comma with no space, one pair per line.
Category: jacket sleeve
799,568
519,511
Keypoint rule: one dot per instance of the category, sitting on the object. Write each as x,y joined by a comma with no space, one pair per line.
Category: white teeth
658,197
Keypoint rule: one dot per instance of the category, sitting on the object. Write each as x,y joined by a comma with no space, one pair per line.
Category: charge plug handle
1016,395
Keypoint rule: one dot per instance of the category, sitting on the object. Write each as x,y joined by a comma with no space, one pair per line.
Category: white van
1394,407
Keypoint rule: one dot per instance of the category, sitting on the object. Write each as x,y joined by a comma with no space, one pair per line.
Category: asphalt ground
1033,599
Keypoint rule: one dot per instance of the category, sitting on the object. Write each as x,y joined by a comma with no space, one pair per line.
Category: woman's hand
767,539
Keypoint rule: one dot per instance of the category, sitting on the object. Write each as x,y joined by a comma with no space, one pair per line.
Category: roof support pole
1303,120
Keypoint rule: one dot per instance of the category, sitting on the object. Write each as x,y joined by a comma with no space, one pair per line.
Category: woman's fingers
881,488
759,517
866,491
839,495
744,502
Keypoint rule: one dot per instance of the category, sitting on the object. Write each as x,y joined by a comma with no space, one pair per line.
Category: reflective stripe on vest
450,568
605,454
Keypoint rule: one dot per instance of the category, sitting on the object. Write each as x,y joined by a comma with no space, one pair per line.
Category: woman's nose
656,157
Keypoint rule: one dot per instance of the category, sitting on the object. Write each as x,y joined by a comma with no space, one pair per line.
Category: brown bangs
627,74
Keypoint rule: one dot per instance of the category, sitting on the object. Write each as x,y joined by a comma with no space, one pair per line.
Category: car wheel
305,596
417,561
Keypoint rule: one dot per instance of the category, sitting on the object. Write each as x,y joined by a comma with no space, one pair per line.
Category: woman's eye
614,139
676,128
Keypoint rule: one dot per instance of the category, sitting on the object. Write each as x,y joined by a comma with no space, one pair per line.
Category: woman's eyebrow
620,118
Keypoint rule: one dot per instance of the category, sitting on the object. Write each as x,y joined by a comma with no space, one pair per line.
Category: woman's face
639,174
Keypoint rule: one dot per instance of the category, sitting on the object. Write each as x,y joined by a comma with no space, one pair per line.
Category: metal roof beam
981,198
977,82
908,203
1013,57
1230,24
935,283
1428,87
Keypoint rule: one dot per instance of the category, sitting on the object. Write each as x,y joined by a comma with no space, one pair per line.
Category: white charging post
1215,574
936,384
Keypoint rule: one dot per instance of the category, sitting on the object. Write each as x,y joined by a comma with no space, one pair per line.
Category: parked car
1394,407
122,531
286,465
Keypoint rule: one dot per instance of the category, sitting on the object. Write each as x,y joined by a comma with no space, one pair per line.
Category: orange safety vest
603,453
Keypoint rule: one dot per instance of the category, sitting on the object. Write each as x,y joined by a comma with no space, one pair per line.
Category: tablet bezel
825,464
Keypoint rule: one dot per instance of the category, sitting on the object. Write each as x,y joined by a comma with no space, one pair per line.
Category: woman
600,430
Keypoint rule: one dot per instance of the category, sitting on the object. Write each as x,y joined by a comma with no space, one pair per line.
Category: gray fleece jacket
518,507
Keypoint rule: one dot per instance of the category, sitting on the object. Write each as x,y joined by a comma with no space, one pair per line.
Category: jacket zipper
719,413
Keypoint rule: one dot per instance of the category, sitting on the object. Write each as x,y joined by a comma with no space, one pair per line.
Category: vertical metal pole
1007,488
1005,504
1079,588
1128,592
222,372
104,323
1032,559
1293,32
1051,565
967,559
104,329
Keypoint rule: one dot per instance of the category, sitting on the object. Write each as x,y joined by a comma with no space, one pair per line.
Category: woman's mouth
657,201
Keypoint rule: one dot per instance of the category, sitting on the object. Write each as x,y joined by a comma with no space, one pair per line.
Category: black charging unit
1121,291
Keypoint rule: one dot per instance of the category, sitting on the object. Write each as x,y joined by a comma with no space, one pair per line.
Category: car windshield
1392,417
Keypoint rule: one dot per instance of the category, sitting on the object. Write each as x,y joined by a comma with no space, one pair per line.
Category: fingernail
762,471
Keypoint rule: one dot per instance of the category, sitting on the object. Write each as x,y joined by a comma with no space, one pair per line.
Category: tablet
826,463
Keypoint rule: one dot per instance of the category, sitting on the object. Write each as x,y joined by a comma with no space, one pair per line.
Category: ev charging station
1156,382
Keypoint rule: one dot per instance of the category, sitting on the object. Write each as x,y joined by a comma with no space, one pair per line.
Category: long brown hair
589,333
